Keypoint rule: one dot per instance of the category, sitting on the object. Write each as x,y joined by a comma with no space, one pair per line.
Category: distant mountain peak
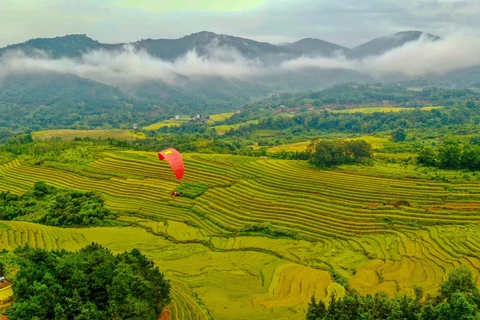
204,33
383,44
316,47
70,45
75,45
415,34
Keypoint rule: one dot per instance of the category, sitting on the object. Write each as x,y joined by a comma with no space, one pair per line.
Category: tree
459,281
428,312
2,269
54,206
327,153
475,141
427,157
40,189
91,283
461,308
458,299
360,149
470,157
470,104
316,311
399,135
449,154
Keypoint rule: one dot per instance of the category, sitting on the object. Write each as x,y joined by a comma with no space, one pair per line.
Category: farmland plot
374,233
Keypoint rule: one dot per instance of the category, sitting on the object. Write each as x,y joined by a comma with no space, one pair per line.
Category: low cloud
130,66
414,59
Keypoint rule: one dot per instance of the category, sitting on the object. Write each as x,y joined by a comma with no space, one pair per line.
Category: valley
368,232
245,173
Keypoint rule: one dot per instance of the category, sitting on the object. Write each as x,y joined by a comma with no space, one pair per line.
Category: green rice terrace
263,236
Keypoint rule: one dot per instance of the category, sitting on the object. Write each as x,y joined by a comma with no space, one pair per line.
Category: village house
6,292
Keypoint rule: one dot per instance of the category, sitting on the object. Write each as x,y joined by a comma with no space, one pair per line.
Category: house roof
4,283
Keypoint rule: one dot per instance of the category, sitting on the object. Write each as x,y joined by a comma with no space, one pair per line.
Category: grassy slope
376,142
167,123
220,117
226,281
223,128
381,109
349,222
70,134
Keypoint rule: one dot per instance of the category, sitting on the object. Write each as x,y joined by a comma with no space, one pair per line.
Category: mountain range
202,72
169,49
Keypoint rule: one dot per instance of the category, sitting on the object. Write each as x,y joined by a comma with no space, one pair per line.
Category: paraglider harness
175,194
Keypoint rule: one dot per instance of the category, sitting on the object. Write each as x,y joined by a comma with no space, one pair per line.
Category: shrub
192,190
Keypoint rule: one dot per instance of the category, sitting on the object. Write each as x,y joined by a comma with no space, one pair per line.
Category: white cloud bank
130,66
414,59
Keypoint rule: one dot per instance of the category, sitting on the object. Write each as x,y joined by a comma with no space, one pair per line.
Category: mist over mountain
382,45
206,72
316,47
76,45
69,46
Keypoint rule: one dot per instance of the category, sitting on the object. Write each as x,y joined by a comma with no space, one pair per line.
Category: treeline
54,100
325,121
327,153
83,149
347,94
451,154
57,100
48,100
192,190
458,298
56,207
91,283
323,153
362,123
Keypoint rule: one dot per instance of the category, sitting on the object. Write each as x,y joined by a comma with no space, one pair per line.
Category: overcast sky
345,22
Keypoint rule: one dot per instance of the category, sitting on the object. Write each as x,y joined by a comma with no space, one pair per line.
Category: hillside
54,99
210,88
203,41
370,233
310,79
259,228
44,100
466,78
315,47
381,45
72,46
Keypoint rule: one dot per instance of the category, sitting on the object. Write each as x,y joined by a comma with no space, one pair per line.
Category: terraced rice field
376,142
167,123
377,233
70,134
220,117
206,284
290,147
381,109
223,128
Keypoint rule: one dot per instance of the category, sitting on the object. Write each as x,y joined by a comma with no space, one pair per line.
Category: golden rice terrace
377,233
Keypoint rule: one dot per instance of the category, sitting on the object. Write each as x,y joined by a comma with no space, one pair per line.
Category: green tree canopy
88,284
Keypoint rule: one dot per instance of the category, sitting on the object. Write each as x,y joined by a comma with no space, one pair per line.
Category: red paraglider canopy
174,159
